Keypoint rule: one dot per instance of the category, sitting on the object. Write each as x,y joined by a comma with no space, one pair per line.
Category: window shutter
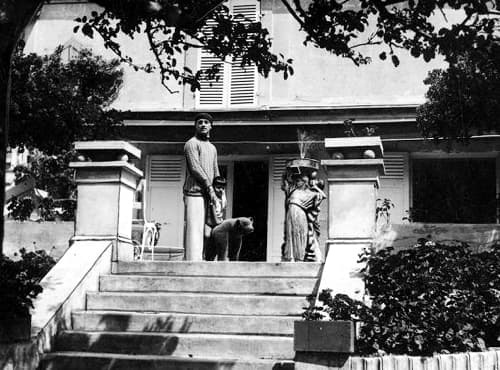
234,85
165,178
165,169
276,214
394,166
278,166
211,91
243,79
395,185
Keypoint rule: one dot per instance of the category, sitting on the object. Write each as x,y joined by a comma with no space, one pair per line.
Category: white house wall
323,79
140,92
320,79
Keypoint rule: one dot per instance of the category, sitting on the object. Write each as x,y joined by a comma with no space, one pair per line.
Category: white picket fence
461,361
489,360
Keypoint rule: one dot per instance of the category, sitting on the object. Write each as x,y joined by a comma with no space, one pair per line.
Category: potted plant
329,325
19,285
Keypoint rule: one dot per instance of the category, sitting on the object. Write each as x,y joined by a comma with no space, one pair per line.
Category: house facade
260,123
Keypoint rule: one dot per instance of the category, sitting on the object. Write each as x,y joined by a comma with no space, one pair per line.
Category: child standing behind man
215,216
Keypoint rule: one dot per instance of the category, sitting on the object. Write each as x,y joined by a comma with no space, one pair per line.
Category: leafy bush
20,208
431,298
19,281
53,175
340,307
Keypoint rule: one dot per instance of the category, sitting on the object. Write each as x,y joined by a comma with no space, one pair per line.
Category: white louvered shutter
395,166
243,79
212,92
233,85
395,186
276,208
165,178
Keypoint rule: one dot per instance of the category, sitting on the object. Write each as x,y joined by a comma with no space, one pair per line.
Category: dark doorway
454,190
250,194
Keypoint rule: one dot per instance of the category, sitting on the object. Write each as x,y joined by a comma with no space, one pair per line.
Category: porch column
353,180
106,181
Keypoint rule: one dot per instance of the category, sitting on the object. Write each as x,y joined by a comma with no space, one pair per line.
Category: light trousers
194,224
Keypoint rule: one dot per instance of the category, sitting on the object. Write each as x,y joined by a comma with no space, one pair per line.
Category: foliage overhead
172,27
463,100
431,298
341,27
54,103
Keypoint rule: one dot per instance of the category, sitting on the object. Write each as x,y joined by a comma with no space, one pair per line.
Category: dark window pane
454,190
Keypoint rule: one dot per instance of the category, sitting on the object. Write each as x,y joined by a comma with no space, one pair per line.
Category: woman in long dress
301,203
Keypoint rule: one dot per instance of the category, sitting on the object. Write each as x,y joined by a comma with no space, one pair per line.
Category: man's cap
219,180
204,116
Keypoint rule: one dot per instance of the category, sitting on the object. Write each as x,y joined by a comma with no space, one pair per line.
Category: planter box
324,336
15,329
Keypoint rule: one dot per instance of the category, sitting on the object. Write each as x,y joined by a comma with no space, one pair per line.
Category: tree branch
292,12
381,7
156,54
369,42
208,12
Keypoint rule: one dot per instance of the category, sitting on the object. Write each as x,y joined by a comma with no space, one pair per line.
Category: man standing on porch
202,167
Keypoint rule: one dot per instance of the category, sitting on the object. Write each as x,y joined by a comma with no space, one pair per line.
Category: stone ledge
361,162
365,142
110,145
107,165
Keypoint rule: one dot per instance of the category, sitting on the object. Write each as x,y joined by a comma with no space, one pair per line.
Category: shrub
19,281
53,175
340,307
431,298
21,208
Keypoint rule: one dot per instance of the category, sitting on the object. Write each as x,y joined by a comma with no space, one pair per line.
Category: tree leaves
174,27
462,100
54,103
19,281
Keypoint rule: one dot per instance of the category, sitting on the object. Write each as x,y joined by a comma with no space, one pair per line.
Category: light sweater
201,160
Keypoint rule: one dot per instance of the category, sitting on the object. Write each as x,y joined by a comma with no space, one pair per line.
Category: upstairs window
233,86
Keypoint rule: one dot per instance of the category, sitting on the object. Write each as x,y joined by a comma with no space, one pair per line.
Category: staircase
188,315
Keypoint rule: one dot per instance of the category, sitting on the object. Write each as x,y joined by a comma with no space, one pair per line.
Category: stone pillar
106,181
353,179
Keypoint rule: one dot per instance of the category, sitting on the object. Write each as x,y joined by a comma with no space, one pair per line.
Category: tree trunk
14,17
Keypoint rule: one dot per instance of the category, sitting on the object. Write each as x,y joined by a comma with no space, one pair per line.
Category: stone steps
205,303
178,344
250,285
93,361
188,315
242,269
178,323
